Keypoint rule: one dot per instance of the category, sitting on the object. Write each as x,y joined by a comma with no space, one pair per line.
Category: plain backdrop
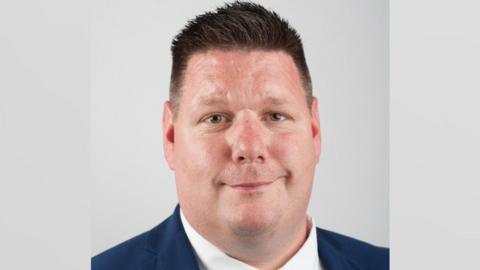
346,46
44,135
47,179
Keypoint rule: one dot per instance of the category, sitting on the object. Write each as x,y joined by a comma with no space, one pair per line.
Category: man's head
241,130
239,25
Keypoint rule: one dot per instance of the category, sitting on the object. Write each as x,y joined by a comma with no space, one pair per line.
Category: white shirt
209,257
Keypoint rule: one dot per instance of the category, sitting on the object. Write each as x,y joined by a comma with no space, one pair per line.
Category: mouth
250,186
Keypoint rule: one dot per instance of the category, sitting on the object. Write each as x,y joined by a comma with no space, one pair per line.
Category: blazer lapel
170,243
331,258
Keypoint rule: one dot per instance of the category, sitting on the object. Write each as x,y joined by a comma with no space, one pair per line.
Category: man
242,134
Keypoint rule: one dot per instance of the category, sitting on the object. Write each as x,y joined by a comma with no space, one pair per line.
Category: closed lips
251,185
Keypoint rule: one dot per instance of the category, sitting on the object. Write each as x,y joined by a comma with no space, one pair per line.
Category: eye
216,119
276,116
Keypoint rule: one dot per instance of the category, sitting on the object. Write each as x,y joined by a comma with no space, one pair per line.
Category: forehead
254,73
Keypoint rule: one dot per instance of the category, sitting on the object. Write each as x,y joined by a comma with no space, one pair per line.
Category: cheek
299,160
200,158
198,162
294,156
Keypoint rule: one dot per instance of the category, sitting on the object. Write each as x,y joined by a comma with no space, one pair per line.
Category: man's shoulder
133,253
127,255
164,247
357,252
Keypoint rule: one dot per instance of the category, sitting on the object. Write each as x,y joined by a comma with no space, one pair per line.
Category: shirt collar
212,258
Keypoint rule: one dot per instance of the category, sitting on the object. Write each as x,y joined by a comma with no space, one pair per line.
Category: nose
248,139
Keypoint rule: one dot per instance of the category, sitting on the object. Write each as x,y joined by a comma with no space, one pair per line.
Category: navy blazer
166,247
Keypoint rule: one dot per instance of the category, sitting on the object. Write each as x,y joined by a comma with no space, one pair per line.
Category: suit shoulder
127,255
362,253
142,251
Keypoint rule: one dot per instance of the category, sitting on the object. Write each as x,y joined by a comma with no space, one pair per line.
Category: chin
252,219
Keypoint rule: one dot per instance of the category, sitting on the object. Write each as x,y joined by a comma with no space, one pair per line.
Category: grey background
44,135
346,45
45,125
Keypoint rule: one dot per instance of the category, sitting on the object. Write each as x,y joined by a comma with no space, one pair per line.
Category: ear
168,134
315,118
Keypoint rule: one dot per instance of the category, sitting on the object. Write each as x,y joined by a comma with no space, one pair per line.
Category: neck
270,250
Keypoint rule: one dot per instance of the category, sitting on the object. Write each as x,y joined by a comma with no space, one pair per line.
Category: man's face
244,143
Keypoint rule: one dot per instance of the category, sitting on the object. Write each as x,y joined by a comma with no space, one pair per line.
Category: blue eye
277,116
216,118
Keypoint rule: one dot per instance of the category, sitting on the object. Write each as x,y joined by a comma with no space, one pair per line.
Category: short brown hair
237,25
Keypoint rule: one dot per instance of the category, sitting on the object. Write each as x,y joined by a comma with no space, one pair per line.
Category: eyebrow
212,100
219,100
276,101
